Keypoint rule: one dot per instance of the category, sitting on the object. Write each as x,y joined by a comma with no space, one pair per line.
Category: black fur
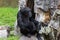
28,25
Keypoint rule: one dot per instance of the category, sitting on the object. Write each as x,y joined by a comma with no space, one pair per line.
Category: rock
28,38
4,31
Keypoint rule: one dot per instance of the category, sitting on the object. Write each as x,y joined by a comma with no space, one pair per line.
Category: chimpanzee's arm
18,14
19,20
34,21
37,24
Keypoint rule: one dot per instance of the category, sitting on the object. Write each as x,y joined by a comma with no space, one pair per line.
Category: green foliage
13,38
8,15
10,38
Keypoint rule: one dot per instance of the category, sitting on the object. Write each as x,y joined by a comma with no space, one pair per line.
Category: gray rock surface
4,31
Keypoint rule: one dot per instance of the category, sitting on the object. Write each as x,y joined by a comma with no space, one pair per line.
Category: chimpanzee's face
26,12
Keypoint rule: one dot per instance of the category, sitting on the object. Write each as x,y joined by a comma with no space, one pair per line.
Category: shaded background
10,3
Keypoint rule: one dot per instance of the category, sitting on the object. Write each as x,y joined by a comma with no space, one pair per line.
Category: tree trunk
30,4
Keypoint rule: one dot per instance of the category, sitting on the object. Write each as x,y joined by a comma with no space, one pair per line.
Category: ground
8,17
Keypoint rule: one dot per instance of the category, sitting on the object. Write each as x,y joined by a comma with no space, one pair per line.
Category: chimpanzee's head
26,12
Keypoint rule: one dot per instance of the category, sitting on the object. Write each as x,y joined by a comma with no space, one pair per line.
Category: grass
8,17
10,38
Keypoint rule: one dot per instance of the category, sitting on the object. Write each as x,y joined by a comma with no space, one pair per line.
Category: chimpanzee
28,26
